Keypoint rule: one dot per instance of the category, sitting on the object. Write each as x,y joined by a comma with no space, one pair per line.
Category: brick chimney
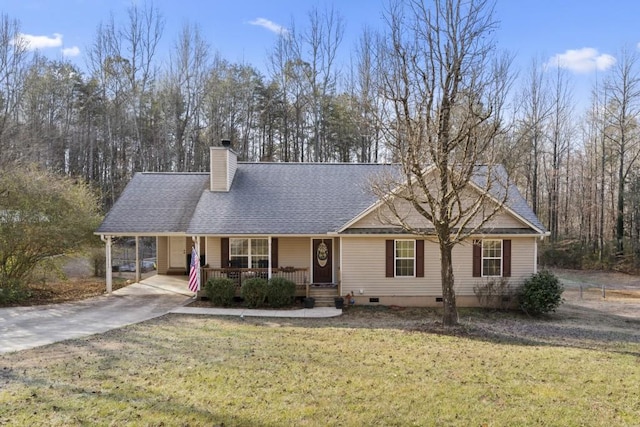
223,166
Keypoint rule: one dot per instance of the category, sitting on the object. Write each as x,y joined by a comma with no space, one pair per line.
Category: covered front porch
310,262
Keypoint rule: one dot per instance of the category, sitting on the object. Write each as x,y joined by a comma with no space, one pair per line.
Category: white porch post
535,256
137,259
269,258
340,293
108,272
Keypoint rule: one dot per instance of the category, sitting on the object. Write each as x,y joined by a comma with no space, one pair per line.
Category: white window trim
501,257
249,253
395,258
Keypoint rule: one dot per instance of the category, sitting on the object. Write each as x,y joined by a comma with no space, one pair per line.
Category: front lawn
367,367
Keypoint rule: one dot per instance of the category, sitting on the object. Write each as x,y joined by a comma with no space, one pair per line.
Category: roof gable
516,210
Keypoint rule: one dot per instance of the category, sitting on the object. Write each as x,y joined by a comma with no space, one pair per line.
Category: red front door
322,261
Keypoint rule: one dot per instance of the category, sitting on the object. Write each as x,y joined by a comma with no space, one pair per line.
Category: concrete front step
324,296
325,302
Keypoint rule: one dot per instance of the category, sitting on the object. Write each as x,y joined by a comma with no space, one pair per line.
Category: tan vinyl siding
502,219
522,265
523,260
213,252
232,165
364,268
294,252
223,163
218,169
383,217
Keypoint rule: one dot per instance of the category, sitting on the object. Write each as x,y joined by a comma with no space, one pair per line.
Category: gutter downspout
108,272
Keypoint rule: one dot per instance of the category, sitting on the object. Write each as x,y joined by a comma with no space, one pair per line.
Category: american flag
194,273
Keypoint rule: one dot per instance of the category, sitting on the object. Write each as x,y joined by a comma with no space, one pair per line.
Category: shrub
220,291
254,291
495,293
540,294
99,257
12,291
280,292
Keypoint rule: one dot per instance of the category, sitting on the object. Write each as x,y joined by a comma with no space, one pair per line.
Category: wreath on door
322,254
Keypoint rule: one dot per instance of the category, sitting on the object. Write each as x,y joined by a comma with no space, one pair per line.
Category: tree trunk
450,315
602,202
620,208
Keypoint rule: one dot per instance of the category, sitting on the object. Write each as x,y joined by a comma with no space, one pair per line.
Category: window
492,258
245,253
405,251
259,253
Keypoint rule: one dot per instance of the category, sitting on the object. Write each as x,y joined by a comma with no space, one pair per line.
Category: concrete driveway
27,327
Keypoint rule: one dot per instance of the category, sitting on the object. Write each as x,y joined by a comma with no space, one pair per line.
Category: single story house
317,224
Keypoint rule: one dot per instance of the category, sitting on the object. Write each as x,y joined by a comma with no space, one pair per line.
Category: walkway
27,327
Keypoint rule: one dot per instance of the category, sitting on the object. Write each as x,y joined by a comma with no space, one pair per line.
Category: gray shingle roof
156,203
265,198
287,198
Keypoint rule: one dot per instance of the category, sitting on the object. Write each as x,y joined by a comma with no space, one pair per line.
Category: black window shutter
419,258
224,252
506,258
389,259
477,258
274,252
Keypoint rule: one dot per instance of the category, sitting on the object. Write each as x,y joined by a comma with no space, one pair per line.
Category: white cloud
583,60
269,25
71,51
32,42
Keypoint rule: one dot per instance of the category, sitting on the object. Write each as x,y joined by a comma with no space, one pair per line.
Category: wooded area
128,111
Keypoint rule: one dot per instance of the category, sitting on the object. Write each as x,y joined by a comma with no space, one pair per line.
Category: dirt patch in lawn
600,294
586,319
74,289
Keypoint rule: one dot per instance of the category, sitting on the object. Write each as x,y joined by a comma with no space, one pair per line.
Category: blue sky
584,35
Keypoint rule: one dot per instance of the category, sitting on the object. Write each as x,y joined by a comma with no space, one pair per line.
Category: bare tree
364,85
325,33
138,43
231,104
536,107
47,114
598,153
13,64
183,89
441,88
559,135
623,112
278,62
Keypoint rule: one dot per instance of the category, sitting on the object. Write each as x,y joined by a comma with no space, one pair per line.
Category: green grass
189,370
